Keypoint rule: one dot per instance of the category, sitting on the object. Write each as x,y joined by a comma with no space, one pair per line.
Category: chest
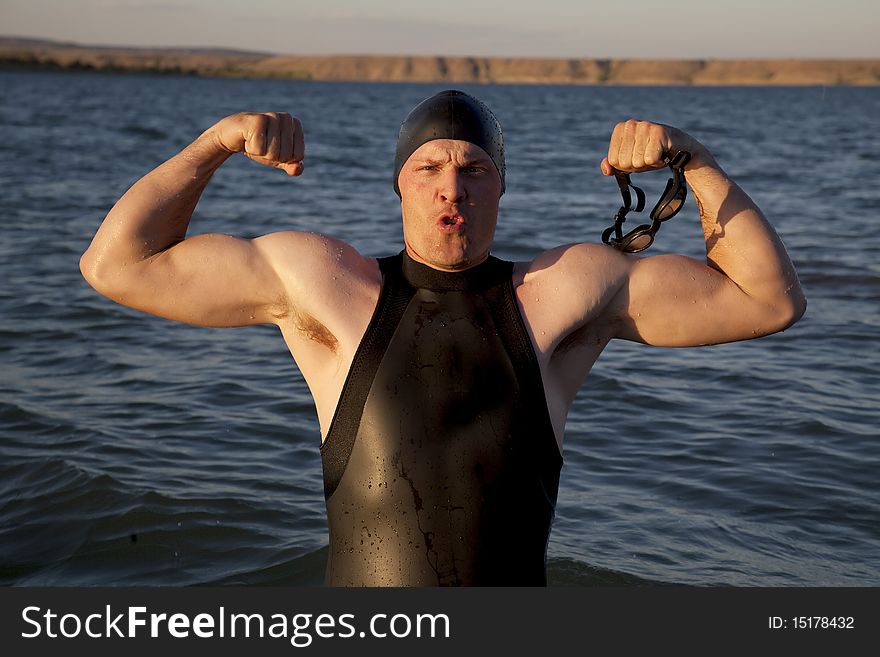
449,356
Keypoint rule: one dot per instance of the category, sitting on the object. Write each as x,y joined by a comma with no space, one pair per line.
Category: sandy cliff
46,55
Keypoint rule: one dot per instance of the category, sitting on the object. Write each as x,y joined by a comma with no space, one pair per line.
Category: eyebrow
430,160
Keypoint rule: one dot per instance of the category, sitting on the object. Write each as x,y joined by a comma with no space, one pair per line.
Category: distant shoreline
32,54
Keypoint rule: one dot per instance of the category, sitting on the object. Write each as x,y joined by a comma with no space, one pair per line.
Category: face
449,192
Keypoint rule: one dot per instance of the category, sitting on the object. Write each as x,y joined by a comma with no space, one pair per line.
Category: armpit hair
315,330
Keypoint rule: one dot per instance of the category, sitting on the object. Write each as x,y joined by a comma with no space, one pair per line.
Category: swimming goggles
641,237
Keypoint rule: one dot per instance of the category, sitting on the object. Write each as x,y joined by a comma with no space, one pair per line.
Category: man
442,376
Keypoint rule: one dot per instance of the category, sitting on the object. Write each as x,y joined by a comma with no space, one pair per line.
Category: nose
451,186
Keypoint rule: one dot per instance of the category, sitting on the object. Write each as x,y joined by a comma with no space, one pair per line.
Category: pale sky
512,28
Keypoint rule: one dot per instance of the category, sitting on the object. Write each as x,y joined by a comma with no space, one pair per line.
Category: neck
456,267
478,277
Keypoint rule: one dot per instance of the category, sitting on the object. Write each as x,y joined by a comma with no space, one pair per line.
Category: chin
452,254
457,264
462,259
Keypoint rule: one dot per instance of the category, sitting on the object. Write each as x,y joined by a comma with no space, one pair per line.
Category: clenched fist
641,146
271,138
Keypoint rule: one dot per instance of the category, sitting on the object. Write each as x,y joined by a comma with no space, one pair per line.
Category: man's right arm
140,256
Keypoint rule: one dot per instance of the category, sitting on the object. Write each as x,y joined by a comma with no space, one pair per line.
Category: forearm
740,242
155,212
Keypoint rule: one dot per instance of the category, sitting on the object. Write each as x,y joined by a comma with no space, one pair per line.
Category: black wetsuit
441,466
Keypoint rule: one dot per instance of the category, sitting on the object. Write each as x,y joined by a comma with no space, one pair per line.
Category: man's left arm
747,287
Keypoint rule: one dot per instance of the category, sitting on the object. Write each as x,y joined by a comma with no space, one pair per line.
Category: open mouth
451,222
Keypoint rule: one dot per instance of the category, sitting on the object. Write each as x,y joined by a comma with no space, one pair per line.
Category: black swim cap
450,115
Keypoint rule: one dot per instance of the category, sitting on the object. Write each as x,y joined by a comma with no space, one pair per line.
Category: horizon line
266,53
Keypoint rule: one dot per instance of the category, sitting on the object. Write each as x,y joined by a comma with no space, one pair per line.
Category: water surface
138,451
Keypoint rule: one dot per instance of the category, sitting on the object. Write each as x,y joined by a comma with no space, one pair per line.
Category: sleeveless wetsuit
441,466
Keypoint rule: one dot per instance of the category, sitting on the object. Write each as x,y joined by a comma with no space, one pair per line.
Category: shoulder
319,273
567,287
308,254
574,265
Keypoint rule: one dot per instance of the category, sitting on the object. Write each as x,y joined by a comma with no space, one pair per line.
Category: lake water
136,451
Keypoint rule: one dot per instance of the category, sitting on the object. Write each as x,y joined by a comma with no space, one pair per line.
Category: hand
271,138
641,146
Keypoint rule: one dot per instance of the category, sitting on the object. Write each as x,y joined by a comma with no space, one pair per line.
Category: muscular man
442,376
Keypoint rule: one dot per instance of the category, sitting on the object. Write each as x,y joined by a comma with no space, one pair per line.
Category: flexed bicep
747,286
676,301
141,257
210,280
